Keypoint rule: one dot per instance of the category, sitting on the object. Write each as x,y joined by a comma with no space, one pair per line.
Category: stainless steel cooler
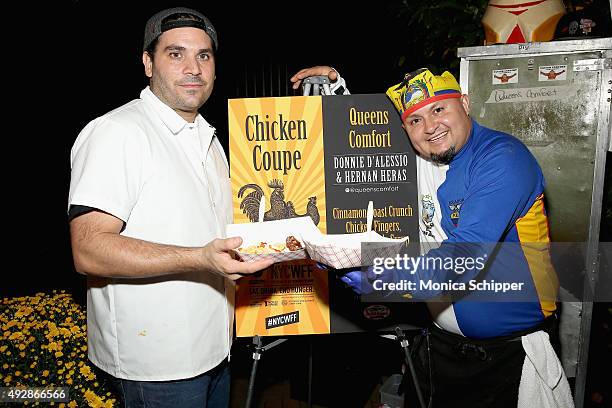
555,96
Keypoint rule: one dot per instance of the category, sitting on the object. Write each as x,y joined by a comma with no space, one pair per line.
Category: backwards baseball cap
420,88
174,18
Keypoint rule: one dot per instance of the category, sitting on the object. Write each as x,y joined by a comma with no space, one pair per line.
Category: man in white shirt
148,204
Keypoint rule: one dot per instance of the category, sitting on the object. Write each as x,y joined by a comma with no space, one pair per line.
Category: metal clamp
316,83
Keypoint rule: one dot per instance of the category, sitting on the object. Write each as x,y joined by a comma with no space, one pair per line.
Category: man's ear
465,102
147,61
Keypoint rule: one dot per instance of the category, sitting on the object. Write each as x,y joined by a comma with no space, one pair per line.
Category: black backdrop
73,61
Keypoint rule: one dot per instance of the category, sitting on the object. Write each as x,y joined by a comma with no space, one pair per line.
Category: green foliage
436,29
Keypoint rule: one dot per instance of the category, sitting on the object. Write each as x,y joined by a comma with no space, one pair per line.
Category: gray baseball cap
160,23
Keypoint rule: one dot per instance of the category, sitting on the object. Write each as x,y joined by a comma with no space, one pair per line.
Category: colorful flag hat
420,88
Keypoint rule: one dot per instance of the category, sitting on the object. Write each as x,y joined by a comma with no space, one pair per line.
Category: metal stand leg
259,349
404,343
256,357
316,83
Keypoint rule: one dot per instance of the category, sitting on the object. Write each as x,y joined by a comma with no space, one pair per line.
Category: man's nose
192,66
431,124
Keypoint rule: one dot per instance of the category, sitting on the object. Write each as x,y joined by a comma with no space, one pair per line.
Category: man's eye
175,55
438,109
414,122
204,56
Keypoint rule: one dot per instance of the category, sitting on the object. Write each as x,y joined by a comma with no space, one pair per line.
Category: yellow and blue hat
420,88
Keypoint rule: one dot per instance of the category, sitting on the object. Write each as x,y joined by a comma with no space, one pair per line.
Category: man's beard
445,157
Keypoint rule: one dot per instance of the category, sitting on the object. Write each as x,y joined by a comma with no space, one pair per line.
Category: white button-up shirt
168,180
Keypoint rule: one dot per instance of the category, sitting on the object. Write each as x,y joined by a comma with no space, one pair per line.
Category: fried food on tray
254,249
279,247
291,244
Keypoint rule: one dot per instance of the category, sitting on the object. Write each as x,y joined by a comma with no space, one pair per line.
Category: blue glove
357,280
351,276
361,281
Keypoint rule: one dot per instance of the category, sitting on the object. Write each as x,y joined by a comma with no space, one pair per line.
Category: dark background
76,60
85,60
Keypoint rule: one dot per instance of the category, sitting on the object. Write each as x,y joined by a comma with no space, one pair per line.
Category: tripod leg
404,343
251,384
256,357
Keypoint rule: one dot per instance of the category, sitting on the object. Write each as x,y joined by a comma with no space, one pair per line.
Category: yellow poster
325,157
276,151
289,298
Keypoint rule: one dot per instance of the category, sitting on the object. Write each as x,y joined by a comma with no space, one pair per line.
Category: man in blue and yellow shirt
490,192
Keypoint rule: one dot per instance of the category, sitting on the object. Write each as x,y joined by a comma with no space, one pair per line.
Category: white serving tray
336,250
271,232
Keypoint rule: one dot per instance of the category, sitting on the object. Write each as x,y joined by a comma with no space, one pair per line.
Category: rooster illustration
311,210
279,209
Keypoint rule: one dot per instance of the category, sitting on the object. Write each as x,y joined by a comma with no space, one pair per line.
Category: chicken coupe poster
323,157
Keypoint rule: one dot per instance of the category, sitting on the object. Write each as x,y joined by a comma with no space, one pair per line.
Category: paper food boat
336,250
351,250
271,232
